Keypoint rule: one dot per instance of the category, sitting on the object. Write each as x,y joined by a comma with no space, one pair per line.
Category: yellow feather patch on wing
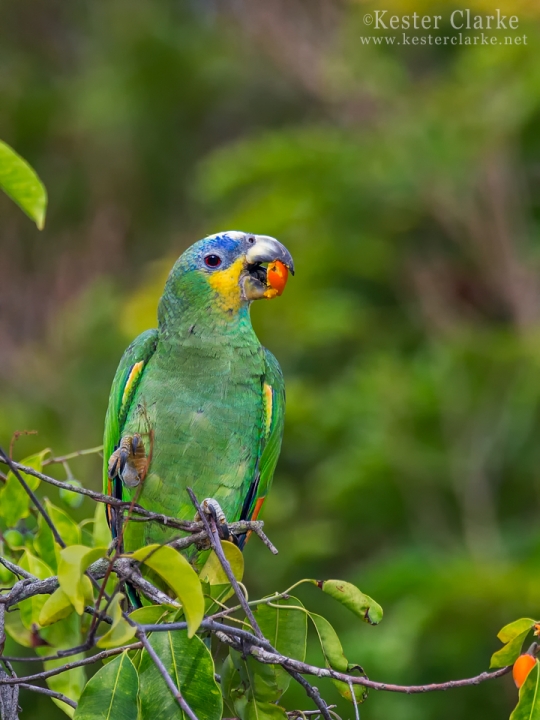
133,376
226,284
268,402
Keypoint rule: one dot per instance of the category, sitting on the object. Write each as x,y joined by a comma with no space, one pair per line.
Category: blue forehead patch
227,243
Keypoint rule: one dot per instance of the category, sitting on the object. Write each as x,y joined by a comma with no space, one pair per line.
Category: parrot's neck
191,323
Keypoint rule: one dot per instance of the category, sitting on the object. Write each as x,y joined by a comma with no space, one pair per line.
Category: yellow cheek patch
225,283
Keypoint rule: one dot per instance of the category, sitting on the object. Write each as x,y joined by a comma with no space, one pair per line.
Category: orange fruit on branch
522,667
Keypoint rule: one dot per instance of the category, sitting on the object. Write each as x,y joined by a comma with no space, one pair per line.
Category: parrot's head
228,270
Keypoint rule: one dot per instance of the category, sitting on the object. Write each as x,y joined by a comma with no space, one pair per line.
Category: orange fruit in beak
522,667
276,277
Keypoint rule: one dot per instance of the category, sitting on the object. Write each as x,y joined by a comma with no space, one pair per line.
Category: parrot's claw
212,507
128,461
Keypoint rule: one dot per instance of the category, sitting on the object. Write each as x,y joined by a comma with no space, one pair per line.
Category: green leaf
259,710
121,631
192,669
30,608
101,534
112,693
349,595
21,183
67,528
56,607
16,630
528,707
513,629
71,499
513,635
180,576
14,539
508,654
335,659
44,542
14,500
73,562
286,629
149,615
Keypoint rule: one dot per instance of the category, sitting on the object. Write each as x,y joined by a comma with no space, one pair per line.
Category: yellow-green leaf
335,659
513,635
21,183
216,585
56,607
121,631
73,562
352,598
67,528
180,576
30,608
101,534
513,629
508,654
213,572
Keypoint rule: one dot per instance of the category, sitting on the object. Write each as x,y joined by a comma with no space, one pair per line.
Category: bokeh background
406,183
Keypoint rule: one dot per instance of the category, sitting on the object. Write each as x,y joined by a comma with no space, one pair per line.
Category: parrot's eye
212,261
251,240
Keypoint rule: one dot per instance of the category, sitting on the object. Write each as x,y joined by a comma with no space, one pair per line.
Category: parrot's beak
265,249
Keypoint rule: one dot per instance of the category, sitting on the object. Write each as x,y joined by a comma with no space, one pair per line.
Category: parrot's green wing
273,389
128,375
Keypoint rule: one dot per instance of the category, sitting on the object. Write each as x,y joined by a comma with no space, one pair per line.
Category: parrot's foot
128,461
212,508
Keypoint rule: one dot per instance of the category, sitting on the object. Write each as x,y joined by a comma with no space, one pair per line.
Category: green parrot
199,402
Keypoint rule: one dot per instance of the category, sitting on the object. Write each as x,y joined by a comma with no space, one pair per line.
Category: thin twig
2,629
17,570
50,693
32,496
293,714
69,666
73,455
355,701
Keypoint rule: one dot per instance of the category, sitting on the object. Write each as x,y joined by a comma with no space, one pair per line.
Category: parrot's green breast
199,409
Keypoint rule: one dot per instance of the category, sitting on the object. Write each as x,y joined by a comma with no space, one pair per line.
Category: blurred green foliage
406,183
